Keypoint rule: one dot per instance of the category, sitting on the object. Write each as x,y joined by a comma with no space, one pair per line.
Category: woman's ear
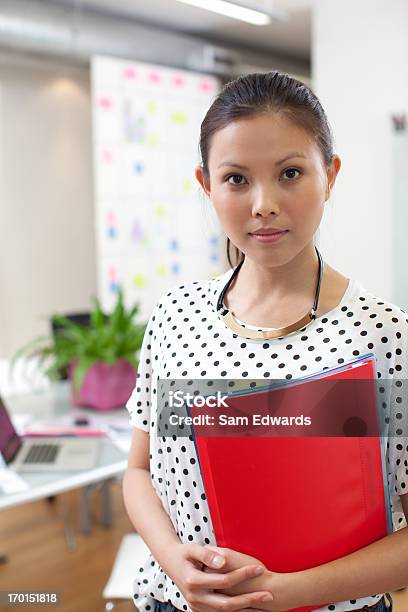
200,178
332,172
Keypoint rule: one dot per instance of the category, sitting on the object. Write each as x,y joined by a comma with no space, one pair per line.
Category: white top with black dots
185,338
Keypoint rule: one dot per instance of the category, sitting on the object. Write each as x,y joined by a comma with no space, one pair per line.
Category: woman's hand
285,588
233,561
185,564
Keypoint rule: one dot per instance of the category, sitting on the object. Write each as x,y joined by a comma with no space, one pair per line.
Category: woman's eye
290,171
235,176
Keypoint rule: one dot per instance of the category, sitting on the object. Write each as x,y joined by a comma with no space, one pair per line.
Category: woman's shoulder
381,312
372,300
191,292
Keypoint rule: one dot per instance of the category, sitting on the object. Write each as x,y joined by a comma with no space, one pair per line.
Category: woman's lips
267,236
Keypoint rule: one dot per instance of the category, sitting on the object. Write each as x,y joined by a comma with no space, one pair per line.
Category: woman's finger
205,555
208,580
228,604
216,549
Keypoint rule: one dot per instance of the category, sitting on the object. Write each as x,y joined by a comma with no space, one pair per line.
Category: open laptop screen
9,439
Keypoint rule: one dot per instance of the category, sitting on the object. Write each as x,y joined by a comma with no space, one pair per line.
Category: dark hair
257,93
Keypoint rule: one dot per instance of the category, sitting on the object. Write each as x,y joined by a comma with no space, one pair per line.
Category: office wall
359,52
47,250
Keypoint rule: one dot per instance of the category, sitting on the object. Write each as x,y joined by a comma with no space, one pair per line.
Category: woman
268,168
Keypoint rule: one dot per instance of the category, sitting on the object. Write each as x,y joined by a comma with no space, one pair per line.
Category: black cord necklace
266,334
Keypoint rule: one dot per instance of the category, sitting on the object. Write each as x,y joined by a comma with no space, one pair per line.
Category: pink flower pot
105,386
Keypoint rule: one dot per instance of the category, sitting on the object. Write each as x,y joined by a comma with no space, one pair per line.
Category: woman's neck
298,276
278,296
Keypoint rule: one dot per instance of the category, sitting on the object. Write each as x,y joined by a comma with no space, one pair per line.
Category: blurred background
87,172
100,109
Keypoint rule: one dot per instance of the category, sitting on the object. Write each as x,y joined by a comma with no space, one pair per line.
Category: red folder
297,502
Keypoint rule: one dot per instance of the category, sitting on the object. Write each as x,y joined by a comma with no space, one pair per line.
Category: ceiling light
229,9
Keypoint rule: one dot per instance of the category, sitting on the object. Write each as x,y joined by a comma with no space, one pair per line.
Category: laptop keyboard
42,453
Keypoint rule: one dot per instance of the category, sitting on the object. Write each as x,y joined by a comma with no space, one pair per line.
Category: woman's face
267,173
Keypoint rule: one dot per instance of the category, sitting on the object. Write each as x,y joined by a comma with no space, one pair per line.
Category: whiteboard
155,228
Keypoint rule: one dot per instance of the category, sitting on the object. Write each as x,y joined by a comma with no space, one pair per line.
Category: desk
54,405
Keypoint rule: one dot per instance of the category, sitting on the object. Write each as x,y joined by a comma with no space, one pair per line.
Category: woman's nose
265,203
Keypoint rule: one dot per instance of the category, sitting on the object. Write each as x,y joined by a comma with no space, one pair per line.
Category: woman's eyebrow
232,164
227,163
289,157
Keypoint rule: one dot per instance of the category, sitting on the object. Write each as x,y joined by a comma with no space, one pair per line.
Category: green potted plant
101,359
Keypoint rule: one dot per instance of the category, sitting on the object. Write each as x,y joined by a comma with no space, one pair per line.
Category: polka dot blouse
185,338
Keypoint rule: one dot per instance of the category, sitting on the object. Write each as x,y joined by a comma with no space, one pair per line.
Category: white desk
53,405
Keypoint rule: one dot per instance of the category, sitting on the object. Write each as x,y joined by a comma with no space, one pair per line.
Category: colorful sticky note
113,282
152,139
160,211
112,232
178,117
137,232
112,273
187,185
134,125
138,167
162,270
140,280
154,77
178,81
205,86
107,155
129,73
105,103
175,268
152,106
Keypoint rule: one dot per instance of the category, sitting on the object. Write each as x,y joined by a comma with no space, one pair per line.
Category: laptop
45,454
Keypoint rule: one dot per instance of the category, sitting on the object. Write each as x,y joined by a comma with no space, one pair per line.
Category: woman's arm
182,562
142,503
376,568
379,567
